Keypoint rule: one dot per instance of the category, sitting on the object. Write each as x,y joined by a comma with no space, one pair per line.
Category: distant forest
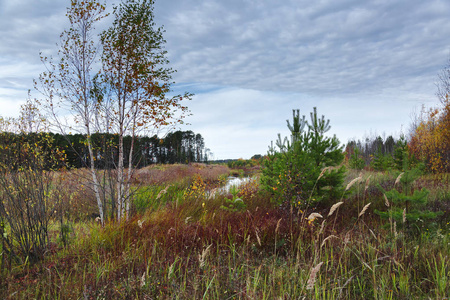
175,147
376,152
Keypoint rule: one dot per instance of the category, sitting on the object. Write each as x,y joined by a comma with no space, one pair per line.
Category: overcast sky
366,65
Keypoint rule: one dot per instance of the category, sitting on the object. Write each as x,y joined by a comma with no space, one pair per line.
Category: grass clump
183,245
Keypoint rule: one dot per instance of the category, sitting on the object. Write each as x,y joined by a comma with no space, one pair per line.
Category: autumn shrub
28,197
242,163
430,141
196,189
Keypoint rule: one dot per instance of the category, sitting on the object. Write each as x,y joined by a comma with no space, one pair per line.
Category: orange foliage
431,139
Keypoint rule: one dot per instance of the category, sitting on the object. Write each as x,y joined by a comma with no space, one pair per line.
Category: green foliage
405,206
381,154
295,171
356,161
400,154
242,163
236,203
381,162
152,197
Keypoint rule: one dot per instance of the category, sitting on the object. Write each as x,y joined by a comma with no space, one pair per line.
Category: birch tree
67,82
136,81
443,85
122,91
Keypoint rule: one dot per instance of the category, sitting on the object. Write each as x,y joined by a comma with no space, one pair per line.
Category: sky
366,65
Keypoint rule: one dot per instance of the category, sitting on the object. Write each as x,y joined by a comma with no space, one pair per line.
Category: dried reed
351,183
313,216
202,257
364,209
367,183
386,201
398,178
334,207
312,276
323,172
326,239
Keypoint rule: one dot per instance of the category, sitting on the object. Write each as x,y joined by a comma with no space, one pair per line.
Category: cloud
364,64
319,47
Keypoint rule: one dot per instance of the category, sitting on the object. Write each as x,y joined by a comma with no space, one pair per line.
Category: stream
233,182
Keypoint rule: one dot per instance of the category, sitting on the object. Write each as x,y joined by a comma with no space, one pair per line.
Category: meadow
187,239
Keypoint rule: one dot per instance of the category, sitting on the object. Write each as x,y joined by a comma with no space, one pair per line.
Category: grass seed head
313,216
323,172
367,183
257,238
326,239
398,178
202,257
142,280
334,207
312,276
364,209
162,192
386,201
322,226
351,183
278,225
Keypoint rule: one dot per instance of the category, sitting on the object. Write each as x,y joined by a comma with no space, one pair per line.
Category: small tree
381,161
405,205
68,83
135,83
356,161
295,172
400,153
126,96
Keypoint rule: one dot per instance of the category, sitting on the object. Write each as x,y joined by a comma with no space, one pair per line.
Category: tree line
376,152
175,147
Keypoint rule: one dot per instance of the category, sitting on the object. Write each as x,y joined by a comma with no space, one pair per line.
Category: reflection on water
232,182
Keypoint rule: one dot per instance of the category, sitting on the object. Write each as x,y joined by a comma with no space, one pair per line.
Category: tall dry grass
196,250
